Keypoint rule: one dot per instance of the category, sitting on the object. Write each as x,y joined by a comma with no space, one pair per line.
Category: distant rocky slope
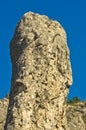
76,115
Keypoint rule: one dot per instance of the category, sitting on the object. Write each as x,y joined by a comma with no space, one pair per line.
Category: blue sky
72,16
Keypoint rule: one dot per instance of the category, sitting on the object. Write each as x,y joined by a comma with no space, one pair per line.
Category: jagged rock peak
41,75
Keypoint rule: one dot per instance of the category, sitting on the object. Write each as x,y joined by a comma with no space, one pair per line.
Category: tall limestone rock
41,75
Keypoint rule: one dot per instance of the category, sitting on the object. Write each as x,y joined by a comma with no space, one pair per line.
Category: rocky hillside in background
76,115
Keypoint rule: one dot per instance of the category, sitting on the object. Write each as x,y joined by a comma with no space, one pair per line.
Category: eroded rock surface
76,116
3,112
41,75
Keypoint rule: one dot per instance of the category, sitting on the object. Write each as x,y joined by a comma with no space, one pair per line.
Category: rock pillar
41,75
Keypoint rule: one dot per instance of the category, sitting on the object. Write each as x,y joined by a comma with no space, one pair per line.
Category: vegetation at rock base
73,101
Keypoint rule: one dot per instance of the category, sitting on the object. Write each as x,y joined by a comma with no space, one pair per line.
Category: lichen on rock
41,75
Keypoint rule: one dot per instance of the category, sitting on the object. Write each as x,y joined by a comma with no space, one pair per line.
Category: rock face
41,75
3,112
76,116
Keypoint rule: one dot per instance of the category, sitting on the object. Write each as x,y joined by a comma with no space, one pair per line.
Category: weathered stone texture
3,112
76,116
41,75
